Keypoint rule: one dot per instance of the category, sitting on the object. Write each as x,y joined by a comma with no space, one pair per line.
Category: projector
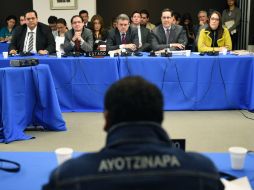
24,62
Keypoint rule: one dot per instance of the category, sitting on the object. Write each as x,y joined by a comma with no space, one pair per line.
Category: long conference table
36,168
188,83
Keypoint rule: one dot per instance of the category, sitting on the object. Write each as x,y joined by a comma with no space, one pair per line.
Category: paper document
238,184
229,24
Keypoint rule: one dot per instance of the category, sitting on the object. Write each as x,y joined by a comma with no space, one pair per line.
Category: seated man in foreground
138,153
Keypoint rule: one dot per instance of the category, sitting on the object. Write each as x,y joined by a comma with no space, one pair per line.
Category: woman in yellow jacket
215,37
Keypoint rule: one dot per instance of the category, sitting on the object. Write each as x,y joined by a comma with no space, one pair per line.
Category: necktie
123,39
167,35
77,46
30,42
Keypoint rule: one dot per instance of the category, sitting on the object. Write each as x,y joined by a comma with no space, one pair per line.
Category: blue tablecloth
36,167
27,96
188,83
3,47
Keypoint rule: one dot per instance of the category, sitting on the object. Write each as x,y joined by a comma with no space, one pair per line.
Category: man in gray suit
79,39
168,35
123,36
144,34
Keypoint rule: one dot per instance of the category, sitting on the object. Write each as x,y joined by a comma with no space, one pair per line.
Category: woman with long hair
61,30
99,32
215,37
6,32
231,19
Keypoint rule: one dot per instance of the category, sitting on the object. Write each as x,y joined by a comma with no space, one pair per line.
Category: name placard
96,53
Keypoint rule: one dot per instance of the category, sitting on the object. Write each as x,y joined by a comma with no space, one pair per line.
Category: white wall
43,9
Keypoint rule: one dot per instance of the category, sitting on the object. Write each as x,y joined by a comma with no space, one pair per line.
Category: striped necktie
30,42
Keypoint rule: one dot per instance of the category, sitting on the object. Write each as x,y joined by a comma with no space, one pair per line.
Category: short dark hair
52,19
32,11
82,12
75,17
144,11
61,21
177,16
134,12
11,17
133,99
167,10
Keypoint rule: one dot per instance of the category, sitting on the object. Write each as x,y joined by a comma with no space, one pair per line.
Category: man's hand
130,46
201,23
77,36
43,52
177,45
13,52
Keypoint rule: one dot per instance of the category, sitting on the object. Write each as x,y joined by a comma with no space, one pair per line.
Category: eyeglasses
215,19
77,22
166,17
31,18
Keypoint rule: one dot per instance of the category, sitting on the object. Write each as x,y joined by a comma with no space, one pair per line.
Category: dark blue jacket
137,156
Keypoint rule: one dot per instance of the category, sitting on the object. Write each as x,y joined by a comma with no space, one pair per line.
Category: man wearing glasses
32,37
79,39
168,35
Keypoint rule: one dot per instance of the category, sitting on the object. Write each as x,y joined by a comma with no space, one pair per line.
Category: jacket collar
136,132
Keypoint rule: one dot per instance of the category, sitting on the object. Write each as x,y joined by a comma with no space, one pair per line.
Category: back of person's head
52,20
133,99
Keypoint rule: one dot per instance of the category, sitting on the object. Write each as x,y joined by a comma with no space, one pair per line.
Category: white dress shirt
26,42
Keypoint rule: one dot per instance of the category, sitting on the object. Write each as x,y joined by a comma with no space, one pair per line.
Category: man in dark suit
144,35
33,37
168,35
85,17
78,39
123,36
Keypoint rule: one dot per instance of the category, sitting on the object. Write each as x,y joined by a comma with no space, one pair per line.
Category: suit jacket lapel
172,35
22,39
37,38
162,34
128,36
142,31
117,37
